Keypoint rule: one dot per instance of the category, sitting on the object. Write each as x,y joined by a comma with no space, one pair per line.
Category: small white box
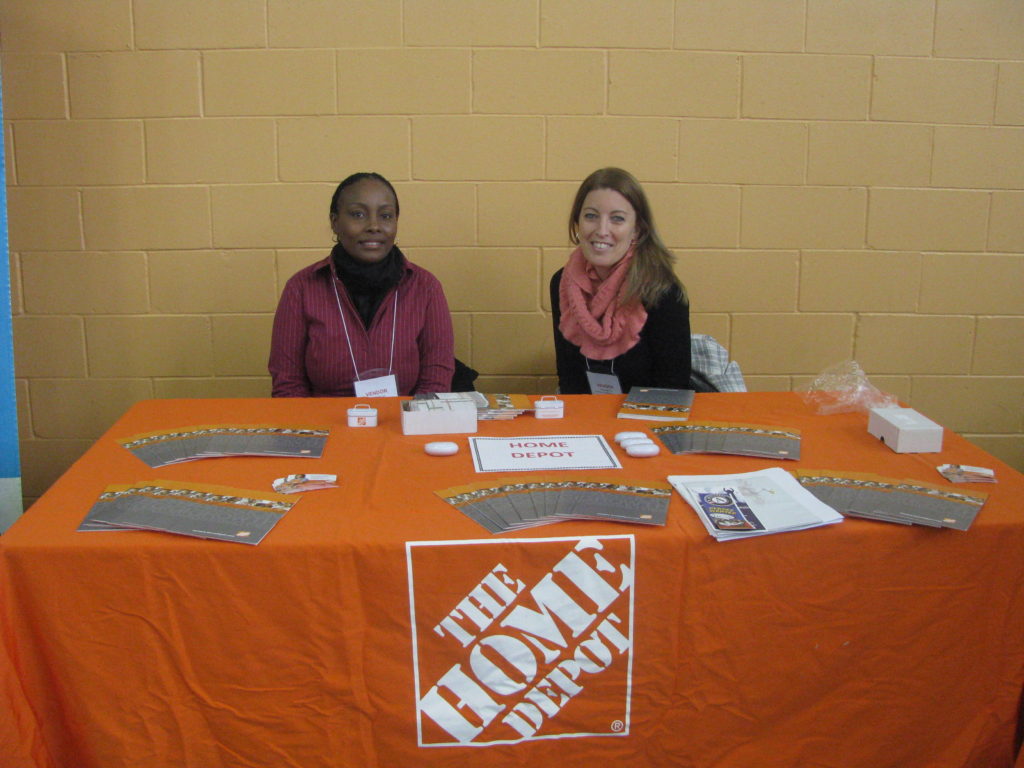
362,415
548,407
905,430
438,417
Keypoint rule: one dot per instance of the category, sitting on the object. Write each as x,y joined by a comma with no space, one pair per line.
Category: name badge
381,386
604,383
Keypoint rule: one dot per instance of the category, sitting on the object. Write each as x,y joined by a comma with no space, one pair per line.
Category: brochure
204,511
656,404
508,504
158,449
908,502
752,504
760,440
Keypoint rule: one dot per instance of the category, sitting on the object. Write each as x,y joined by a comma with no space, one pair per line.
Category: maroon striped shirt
309,356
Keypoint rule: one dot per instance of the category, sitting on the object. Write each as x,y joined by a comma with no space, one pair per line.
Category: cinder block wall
839,179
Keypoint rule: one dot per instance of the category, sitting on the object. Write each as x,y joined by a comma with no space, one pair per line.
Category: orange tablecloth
858,644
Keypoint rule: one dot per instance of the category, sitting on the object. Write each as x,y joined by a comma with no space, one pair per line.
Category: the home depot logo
521,639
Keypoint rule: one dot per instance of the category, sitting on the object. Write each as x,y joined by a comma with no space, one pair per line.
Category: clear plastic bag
844,388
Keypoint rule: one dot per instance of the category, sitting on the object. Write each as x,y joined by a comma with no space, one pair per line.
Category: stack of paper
157,449
655,404
423,404
204,511
910,502
739,439
507,504
752,503
488,406
502,406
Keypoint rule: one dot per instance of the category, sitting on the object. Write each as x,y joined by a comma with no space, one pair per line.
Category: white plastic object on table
442,448
362,415
643,450
627,435
625,443
548,407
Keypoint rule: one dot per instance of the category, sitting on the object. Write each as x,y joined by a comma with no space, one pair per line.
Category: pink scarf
592,317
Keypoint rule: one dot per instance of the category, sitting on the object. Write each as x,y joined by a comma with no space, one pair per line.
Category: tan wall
840,179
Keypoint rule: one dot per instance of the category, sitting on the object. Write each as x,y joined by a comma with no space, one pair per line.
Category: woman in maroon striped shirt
364,312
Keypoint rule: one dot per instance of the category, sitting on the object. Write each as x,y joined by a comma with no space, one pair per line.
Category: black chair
462,380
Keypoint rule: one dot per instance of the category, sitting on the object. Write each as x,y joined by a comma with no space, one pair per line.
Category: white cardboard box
905,430
444,418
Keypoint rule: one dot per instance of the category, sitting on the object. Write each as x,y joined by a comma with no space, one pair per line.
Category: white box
441,417
905,430
548,407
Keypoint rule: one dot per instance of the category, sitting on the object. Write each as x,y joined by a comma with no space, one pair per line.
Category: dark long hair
355,178
650,274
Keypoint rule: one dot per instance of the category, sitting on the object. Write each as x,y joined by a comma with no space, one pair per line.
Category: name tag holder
603,383
379,386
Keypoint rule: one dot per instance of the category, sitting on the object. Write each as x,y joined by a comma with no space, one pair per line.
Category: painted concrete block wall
838,180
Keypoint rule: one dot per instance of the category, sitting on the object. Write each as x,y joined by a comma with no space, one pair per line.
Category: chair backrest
710,367
462,380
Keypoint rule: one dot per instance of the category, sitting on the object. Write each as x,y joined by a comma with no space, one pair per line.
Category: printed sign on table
541,452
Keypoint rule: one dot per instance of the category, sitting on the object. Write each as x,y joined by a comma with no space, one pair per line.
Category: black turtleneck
368,283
